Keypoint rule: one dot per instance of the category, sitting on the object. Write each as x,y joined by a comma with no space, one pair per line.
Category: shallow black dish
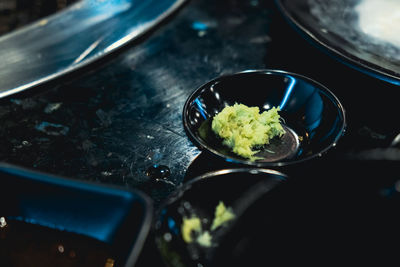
334,27
117,217
236,188
49,44
314,119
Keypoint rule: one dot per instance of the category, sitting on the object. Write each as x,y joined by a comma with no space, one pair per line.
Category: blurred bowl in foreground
196,216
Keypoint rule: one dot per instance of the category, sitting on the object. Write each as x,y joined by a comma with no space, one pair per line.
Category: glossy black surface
112,122
118,217
73,38
15,14
313,118
334,27
236,188
317,217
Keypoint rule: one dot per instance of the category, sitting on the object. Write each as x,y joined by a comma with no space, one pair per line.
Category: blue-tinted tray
115,216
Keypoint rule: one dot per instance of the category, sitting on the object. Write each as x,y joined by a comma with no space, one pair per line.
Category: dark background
115,119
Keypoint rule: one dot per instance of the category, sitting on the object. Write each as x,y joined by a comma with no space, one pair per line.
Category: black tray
115,216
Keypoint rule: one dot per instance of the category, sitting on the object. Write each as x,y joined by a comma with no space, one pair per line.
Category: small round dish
237,189
312,116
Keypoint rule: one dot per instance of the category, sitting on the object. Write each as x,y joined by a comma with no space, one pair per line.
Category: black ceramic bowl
45,218
313,117
236,188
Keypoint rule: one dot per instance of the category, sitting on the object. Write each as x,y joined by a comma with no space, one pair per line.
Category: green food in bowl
192,227
243,129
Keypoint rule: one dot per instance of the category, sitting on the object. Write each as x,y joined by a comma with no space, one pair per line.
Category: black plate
117,217
48,48
314,119
334,27
236,188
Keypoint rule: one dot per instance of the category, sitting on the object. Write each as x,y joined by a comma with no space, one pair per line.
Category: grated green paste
192,227
243,128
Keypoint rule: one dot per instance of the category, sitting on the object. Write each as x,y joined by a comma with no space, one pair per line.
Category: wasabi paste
204,239
192,227
222,215
243,128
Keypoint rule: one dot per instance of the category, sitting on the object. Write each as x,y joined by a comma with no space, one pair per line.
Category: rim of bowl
179,191
204,147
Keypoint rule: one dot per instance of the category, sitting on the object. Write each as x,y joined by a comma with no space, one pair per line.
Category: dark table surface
115,119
